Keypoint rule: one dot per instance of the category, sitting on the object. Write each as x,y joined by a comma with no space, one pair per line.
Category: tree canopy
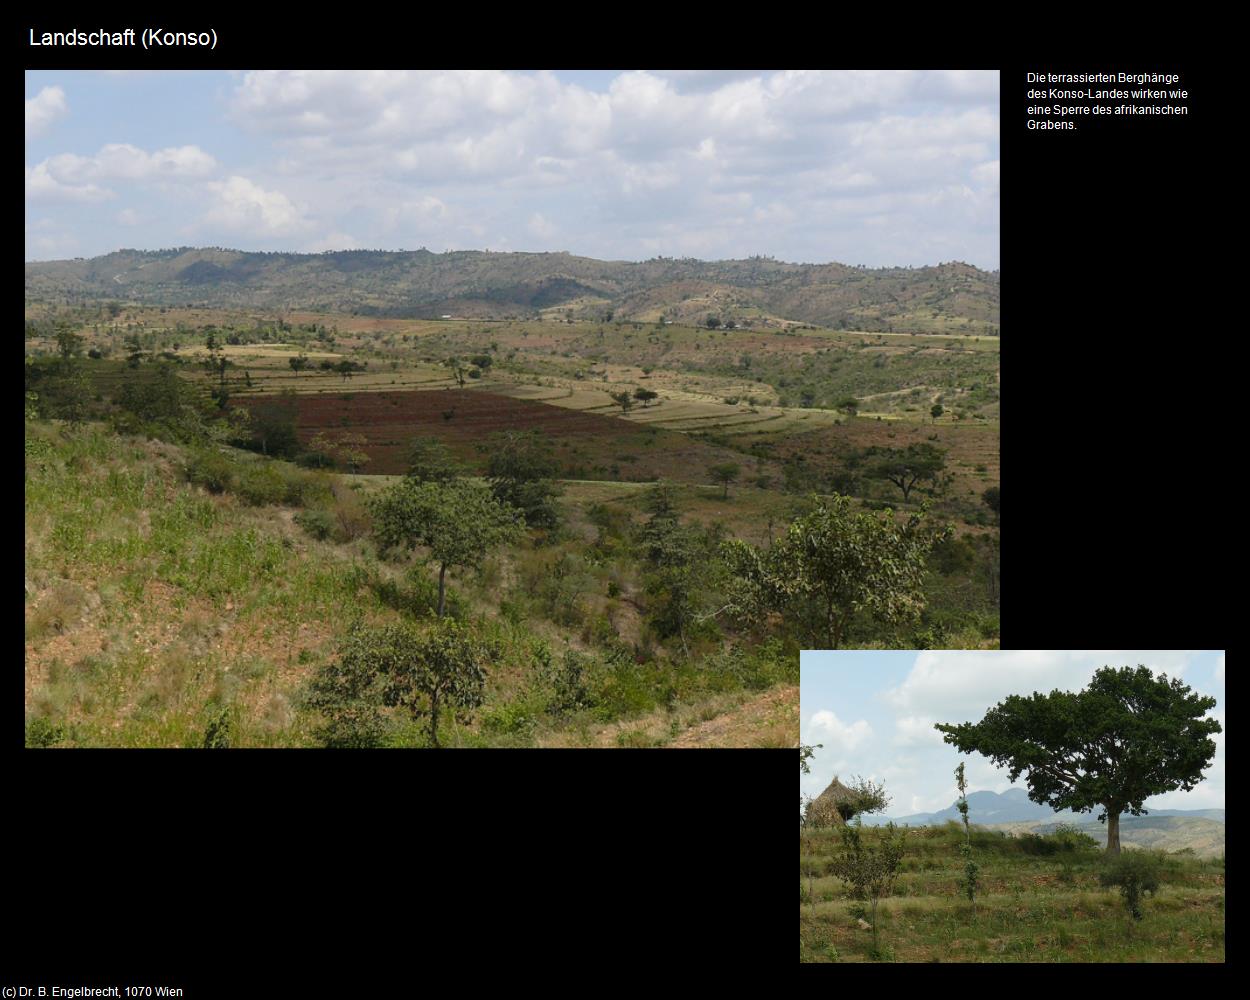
832,564
459,521
1125,737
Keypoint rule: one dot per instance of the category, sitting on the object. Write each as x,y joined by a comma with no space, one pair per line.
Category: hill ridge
762,292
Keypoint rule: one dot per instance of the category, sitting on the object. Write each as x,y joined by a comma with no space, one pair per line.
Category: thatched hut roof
823,810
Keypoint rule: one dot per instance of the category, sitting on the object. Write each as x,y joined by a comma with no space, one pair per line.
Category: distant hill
1205,837
1015,806
758,292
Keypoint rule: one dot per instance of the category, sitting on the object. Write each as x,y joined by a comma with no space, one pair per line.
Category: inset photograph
1011,806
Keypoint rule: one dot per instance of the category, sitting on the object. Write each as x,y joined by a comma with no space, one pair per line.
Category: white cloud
41,185
956,686
825,727
123,162
242,206
43,109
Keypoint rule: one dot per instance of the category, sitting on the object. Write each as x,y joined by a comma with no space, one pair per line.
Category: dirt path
769,719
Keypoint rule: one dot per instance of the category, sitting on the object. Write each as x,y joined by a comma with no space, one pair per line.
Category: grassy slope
1030,909
150,604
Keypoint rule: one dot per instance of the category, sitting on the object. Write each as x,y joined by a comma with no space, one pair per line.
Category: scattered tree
458,521
936,411
832,564
1133,873
969,881
724,474
1125,737
645,396
870,871
624,400
990,499
521,468
906,467
430,461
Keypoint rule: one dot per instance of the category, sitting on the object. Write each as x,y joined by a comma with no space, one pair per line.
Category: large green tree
832,564
458,521
1125,737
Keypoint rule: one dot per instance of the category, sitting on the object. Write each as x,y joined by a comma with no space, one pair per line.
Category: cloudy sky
876,168
874,712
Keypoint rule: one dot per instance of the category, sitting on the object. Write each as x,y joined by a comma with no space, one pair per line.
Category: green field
1032,907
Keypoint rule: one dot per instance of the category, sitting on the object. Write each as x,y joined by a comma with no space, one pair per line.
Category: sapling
870,871
969,882
1133,873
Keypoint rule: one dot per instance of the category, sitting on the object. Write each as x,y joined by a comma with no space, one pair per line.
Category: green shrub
218,731
211,469
1133,873
317,522
41,733
259,484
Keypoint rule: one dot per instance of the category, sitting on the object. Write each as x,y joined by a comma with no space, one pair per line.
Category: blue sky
875,168
874,713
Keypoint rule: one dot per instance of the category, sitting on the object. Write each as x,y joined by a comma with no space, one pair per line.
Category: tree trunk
1113,830
434,718
442,573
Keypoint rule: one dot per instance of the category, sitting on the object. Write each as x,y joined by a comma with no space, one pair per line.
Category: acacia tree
831,564
1125,737
724,474
624,400
907,467
458,521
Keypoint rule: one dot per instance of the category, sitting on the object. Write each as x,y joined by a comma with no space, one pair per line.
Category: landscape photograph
1011,806
526,409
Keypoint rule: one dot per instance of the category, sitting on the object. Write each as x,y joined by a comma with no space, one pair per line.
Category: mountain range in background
1198,830
1015,806
760,292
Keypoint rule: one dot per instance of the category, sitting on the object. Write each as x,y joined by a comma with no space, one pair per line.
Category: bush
1133,873
42,734
317,522
260,485
210,469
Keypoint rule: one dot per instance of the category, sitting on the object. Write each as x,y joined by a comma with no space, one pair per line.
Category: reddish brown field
588,445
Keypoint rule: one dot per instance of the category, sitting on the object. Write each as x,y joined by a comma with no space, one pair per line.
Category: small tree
831,564
969,882
906,467
438,668
429,460
990,499
1133,874
936,411
871,871
458,521
298,363
458,370
645,396
624,400
521,467
725,473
